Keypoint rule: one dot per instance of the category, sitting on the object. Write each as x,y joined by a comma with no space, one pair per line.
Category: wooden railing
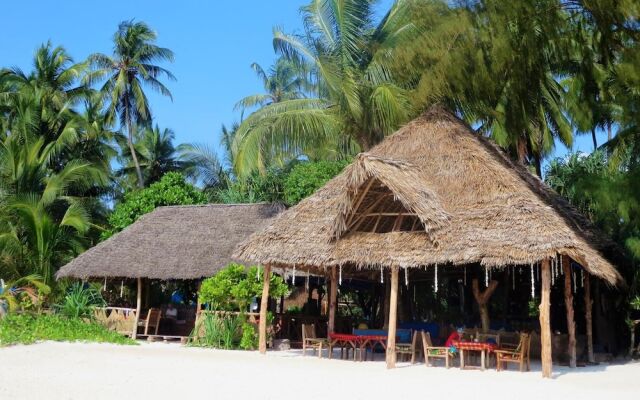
119,319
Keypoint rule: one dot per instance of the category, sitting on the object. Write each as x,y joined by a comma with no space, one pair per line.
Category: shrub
222,331
80,301
305,178
249,339
31,328
235,286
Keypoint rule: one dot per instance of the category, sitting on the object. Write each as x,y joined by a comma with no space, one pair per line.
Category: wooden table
483,348
371,341
345,342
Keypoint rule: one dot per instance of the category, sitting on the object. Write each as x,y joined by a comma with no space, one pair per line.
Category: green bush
221,331
235,286
305,178
171,190
31,328
80,301
249,339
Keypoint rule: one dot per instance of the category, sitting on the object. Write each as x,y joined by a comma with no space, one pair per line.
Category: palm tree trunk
609,133
132,149
595,140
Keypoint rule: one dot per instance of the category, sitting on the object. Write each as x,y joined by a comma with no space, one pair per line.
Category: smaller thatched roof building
177,242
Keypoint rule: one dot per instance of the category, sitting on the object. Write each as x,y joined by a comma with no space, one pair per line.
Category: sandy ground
169,371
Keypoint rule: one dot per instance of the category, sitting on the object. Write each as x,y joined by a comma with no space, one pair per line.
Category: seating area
467,348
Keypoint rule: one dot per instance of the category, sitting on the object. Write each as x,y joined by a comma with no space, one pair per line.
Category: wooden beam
134,333
264,304
359,201
393,323
568,302
545,319
588,306
333,299
358,220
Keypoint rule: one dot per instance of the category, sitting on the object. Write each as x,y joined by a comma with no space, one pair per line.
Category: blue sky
214,44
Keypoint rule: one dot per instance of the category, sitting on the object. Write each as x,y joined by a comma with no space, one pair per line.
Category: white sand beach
169,371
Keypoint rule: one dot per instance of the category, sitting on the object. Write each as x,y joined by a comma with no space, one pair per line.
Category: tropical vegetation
82,157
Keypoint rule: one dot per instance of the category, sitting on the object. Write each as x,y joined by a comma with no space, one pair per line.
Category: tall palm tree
283,81
127,72
358,102
43,99
42,223
154,151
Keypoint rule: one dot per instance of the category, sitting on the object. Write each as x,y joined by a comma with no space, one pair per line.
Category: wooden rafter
359,201
361,216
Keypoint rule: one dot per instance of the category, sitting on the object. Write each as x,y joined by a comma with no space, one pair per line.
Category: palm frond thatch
477,206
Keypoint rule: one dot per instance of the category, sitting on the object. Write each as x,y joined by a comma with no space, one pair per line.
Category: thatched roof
178,242
433,193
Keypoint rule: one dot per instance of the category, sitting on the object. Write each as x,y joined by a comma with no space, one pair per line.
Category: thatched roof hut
433,193
177,242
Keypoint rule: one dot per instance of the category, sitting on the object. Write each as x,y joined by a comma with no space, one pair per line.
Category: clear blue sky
214,43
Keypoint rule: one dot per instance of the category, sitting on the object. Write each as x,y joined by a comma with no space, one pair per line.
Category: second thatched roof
433,193
177,242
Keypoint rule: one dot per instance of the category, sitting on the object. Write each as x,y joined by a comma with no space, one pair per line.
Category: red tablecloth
343,336
478,346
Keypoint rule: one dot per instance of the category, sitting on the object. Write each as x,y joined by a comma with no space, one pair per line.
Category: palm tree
283,81
42,100
154,151
358,101
41,223
126,73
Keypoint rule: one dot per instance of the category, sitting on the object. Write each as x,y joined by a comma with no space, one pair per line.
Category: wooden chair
152,321
433,351
519,355
310,339
409,349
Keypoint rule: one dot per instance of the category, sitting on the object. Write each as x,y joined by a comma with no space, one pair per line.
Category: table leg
482,360
461,359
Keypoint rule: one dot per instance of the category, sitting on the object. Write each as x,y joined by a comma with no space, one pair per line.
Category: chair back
426,340
153,319
524,345
308,331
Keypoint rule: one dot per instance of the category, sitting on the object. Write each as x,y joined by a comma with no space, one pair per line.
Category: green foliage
80,301
171,190
24,294
30,328
224,331
254,188
234,287
249,340
305,178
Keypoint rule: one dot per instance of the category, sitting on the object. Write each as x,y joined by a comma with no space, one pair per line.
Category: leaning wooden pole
134,333
568,302
545,319
588,304
333,300
264,305
393,315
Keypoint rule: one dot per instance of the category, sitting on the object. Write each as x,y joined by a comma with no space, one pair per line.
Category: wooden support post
588,304
333,301
545,319
387,298
393,313
264,305
134,333
568,302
